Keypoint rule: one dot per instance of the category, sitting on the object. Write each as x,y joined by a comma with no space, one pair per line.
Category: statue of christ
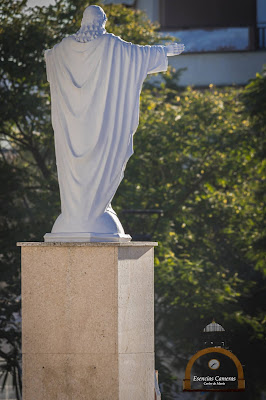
95,81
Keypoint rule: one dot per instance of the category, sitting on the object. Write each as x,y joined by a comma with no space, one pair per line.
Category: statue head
94,16
92,24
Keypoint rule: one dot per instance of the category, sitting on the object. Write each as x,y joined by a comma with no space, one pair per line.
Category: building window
207,13
208,25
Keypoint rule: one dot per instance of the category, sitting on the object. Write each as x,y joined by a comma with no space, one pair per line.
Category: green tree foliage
198,156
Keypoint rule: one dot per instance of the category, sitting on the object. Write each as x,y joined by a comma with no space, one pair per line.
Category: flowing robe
95,88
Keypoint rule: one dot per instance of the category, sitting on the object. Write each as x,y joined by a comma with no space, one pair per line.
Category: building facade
225,40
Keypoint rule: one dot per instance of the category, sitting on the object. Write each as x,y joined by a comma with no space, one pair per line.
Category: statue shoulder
111,36
119,40
67,40
55,47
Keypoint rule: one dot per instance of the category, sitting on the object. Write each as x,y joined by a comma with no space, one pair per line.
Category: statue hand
175,49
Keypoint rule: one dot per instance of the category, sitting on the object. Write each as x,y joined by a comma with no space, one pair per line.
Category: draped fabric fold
95,88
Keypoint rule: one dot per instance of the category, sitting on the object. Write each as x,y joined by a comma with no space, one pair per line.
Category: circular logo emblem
214,364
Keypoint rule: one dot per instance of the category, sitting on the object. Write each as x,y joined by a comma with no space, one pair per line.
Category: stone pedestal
88,321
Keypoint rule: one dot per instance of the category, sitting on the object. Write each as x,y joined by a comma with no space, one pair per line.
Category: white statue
95,81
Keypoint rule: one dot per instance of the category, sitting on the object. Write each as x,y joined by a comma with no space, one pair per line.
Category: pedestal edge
91,244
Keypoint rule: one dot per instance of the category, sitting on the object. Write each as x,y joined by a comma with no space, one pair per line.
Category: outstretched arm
174,49
155,57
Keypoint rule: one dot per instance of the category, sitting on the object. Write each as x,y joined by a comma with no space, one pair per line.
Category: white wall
218,68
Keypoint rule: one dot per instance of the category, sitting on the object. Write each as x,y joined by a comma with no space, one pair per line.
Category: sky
32,3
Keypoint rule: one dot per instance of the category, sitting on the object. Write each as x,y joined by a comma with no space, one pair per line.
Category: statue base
86,237
88,321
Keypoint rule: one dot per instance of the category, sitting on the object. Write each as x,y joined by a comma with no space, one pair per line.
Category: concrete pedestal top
90,244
